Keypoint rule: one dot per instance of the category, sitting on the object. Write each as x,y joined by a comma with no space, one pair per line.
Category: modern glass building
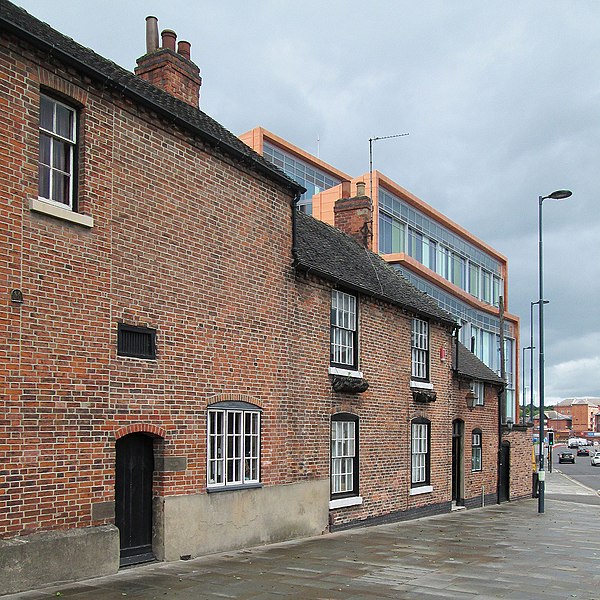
465,275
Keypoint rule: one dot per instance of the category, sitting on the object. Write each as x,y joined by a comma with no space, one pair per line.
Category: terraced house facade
188,364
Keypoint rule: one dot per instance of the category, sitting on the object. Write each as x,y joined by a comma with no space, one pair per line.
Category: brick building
187,363
582,412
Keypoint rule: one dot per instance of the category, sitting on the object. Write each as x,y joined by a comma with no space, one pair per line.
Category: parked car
596,460
583,451
567,457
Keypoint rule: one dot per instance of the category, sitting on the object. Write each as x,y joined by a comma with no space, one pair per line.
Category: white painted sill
343,502
345,372
424,489
58,212
422,385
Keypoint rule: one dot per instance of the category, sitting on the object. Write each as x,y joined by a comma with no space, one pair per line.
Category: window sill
59,212
345,372
342,502
233,488
424,489
422,385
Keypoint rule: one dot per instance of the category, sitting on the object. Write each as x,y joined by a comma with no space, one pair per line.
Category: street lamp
558,195
524,388
532,348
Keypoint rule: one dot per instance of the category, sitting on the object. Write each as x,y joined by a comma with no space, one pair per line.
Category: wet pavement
500,551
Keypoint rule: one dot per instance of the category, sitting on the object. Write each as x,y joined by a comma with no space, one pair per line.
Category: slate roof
337,257
468,365
554,416
572,401
20,22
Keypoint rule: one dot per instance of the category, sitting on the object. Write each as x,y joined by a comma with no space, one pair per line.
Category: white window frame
420,453
420,350
233,447
344,456
344,333
478,389
476,450
69,142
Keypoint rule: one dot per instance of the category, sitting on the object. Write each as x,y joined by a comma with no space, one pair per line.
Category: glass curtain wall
313,179
402,229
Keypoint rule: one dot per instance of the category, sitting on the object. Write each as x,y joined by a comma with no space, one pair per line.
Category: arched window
476,450
233,445
344,455
420,431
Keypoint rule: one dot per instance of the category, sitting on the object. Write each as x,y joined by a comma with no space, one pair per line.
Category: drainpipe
500,393
455,333
501,396
295,230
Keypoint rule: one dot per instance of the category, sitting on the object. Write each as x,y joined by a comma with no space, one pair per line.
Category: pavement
500,551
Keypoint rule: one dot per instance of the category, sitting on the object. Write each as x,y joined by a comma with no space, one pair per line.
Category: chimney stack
354,216
169,69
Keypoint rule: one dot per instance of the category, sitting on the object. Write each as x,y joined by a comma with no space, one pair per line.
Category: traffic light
551,438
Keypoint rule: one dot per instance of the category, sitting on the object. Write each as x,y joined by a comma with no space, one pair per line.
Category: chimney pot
151,34
360,189
345,189
184,49
169,37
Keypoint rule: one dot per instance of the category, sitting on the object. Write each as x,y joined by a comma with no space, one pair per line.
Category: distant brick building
582,412
187,363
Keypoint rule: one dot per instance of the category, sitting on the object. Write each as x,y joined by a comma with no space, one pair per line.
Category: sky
500,98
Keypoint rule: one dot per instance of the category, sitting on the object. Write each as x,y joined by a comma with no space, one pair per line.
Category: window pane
46,113
44,151
474,280
60,187
64,122
44,182
61,156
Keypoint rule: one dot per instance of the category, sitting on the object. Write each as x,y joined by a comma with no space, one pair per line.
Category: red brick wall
178,238
482,483
521,463
384,410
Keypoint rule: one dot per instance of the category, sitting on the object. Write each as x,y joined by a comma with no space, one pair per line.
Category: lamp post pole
558,195
524,388
532,347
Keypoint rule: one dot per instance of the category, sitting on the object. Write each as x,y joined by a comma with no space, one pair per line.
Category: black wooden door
133,497
504,475
457,461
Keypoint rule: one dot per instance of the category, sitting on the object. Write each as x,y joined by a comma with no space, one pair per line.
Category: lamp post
532,348
558,195
524,388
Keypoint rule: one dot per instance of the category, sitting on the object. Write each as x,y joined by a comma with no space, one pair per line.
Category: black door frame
133,497
504,474
458,444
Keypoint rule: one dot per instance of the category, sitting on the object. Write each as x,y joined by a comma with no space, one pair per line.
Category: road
582,471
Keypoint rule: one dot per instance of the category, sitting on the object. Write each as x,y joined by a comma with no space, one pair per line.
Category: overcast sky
501,99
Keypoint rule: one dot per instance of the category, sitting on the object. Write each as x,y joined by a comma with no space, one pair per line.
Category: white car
596,460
